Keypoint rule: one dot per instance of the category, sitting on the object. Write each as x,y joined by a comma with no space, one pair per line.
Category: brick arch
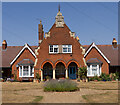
47,61
74,62
58,61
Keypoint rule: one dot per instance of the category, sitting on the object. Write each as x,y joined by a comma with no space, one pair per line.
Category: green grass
37,99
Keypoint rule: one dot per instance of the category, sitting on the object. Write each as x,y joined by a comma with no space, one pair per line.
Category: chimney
40,32
114,43
4,44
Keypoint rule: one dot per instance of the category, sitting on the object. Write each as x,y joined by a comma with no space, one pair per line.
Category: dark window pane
69,49
55,49
64,49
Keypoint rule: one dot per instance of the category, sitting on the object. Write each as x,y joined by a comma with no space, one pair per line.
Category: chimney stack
114,43
4,44
40,32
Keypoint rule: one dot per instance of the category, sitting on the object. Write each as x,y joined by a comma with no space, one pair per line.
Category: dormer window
53,49
66,48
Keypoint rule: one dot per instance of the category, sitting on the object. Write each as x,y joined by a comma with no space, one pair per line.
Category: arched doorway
72,70
60,70
47,70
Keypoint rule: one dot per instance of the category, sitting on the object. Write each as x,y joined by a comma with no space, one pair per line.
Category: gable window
93,70
26,71
53,49
66,48
26,68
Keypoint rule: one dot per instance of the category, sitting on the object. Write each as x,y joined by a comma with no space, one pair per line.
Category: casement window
93,70
53,49
66,48
26,71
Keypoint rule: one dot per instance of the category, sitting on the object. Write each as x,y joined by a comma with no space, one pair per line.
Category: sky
91,21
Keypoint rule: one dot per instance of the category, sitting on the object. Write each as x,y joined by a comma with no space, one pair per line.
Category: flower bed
60,85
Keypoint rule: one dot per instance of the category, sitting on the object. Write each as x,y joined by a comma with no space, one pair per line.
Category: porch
59,71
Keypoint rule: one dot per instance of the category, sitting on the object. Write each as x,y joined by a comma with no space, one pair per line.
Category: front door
72,72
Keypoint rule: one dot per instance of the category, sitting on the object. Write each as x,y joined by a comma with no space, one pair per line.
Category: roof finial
59,7
40,22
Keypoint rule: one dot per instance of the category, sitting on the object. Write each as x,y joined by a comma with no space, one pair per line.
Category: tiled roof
109,52
11,52
94,60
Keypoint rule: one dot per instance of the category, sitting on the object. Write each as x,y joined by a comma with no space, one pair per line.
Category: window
26,71
53,49
93,69
20,70
88,69
67,48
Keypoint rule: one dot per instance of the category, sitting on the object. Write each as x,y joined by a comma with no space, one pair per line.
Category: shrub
82,73
117,75
60,85
15,77
37,75
105,77
47,77
114,76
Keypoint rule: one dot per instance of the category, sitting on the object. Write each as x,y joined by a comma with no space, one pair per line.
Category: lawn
90,92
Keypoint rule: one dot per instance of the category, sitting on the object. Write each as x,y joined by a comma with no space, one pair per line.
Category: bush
105,77
114,76
95,78
82,73
37,75
60,85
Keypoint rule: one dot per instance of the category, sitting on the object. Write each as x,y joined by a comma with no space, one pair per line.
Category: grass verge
37,99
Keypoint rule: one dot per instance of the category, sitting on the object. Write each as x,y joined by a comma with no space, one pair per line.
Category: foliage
105,77
60,85
95,78
114,76
47,77
82,72
117,75
37,75
15,77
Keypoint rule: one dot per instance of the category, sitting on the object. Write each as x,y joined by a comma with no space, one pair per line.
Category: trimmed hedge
60,85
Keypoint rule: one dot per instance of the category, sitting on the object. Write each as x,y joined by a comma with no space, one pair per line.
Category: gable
98,50
21,51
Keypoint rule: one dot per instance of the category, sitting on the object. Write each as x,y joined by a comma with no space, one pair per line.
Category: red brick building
58,55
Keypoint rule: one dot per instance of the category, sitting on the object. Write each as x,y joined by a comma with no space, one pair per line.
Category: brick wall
26,54
95,54
59,36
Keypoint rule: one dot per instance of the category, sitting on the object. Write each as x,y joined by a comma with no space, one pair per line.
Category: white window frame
29,68
63,46
98,70
54,46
